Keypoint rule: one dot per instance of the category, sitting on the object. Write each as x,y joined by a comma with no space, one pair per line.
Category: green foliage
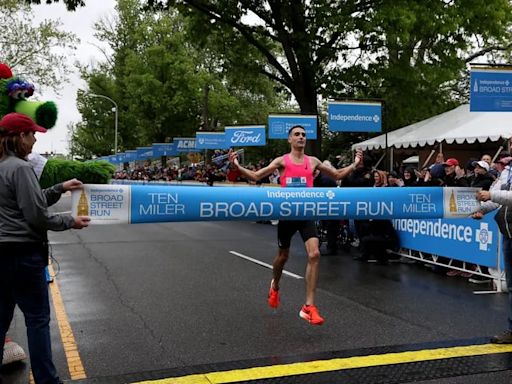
58,171
30,49
164,85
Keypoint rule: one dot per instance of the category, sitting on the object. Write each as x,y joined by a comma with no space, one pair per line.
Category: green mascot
14,93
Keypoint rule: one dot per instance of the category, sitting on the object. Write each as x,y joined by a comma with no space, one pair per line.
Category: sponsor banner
211,140
186,144
164,149
279,125
130,155
247,136
354,116
121,158
146,204
144,153
473,241
113,159
491,90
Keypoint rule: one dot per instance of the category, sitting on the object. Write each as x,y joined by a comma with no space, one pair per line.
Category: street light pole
116,116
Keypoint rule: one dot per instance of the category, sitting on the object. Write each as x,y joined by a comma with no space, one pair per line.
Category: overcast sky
80,22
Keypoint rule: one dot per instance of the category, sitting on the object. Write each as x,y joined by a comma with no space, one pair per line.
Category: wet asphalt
151,297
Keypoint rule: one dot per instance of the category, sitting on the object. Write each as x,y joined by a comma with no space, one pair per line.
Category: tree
158,79
37,53
409,52
401,51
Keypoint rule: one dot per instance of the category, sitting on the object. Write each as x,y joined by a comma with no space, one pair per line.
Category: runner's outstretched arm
259,174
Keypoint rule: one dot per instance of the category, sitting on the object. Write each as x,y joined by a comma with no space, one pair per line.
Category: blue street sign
247,136
279,125
211,140
354,116
491,90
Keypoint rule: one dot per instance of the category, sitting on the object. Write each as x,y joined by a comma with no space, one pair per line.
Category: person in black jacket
454,174
481,177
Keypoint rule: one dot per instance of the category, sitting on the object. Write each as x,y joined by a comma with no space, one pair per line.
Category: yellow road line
75,366
319,366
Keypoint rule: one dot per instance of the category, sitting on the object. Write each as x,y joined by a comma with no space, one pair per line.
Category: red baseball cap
14,123
451,162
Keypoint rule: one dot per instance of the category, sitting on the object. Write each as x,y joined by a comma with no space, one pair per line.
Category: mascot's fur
14,92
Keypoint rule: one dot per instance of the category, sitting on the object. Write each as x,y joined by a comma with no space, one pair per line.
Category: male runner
296,170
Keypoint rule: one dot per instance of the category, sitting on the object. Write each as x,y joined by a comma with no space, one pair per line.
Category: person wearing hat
24,222
481,177
454,174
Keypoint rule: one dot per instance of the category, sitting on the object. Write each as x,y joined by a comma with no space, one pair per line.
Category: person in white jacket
499,197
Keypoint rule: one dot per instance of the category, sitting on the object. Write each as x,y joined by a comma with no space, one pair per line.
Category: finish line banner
121,204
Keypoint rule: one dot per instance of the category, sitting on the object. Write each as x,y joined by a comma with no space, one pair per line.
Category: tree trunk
308,106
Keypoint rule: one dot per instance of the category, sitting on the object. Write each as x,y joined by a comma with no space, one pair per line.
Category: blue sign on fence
144,153
474,241
279,125
351,116
130,155
491,90
164,149
247,136
211,140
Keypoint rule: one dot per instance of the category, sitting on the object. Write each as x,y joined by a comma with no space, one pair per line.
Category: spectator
410,177
481,178
454,174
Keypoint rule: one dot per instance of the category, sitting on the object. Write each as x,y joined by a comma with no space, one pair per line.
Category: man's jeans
507,256
23,283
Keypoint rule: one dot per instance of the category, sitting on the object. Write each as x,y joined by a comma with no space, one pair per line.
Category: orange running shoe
273,296
311,315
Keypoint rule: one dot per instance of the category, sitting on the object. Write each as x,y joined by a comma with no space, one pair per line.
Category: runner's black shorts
286,230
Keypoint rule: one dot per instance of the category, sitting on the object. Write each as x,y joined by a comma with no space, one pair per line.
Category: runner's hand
359,157
233,157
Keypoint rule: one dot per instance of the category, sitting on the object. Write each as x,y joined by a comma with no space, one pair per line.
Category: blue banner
247,136
144,153
491,90
344,116
130,155
279,125
107,204
186,144
211,140
473,241
121,158
164,149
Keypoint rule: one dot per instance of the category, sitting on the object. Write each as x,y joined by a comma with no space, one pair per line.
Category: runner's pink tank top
296,175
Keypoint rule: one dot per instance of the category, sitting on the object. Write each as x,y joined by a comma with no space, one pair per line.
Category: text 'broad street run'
293,209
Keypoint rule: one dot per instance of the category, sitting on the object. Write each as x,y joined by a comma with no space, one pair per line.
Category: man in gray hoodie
499,197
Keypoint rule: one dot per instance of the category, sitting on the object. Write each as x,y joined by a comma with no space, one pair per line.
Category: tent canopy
458,125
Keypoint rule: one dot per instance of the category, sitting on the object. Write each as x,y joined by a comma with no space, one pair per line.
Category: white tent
458,125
